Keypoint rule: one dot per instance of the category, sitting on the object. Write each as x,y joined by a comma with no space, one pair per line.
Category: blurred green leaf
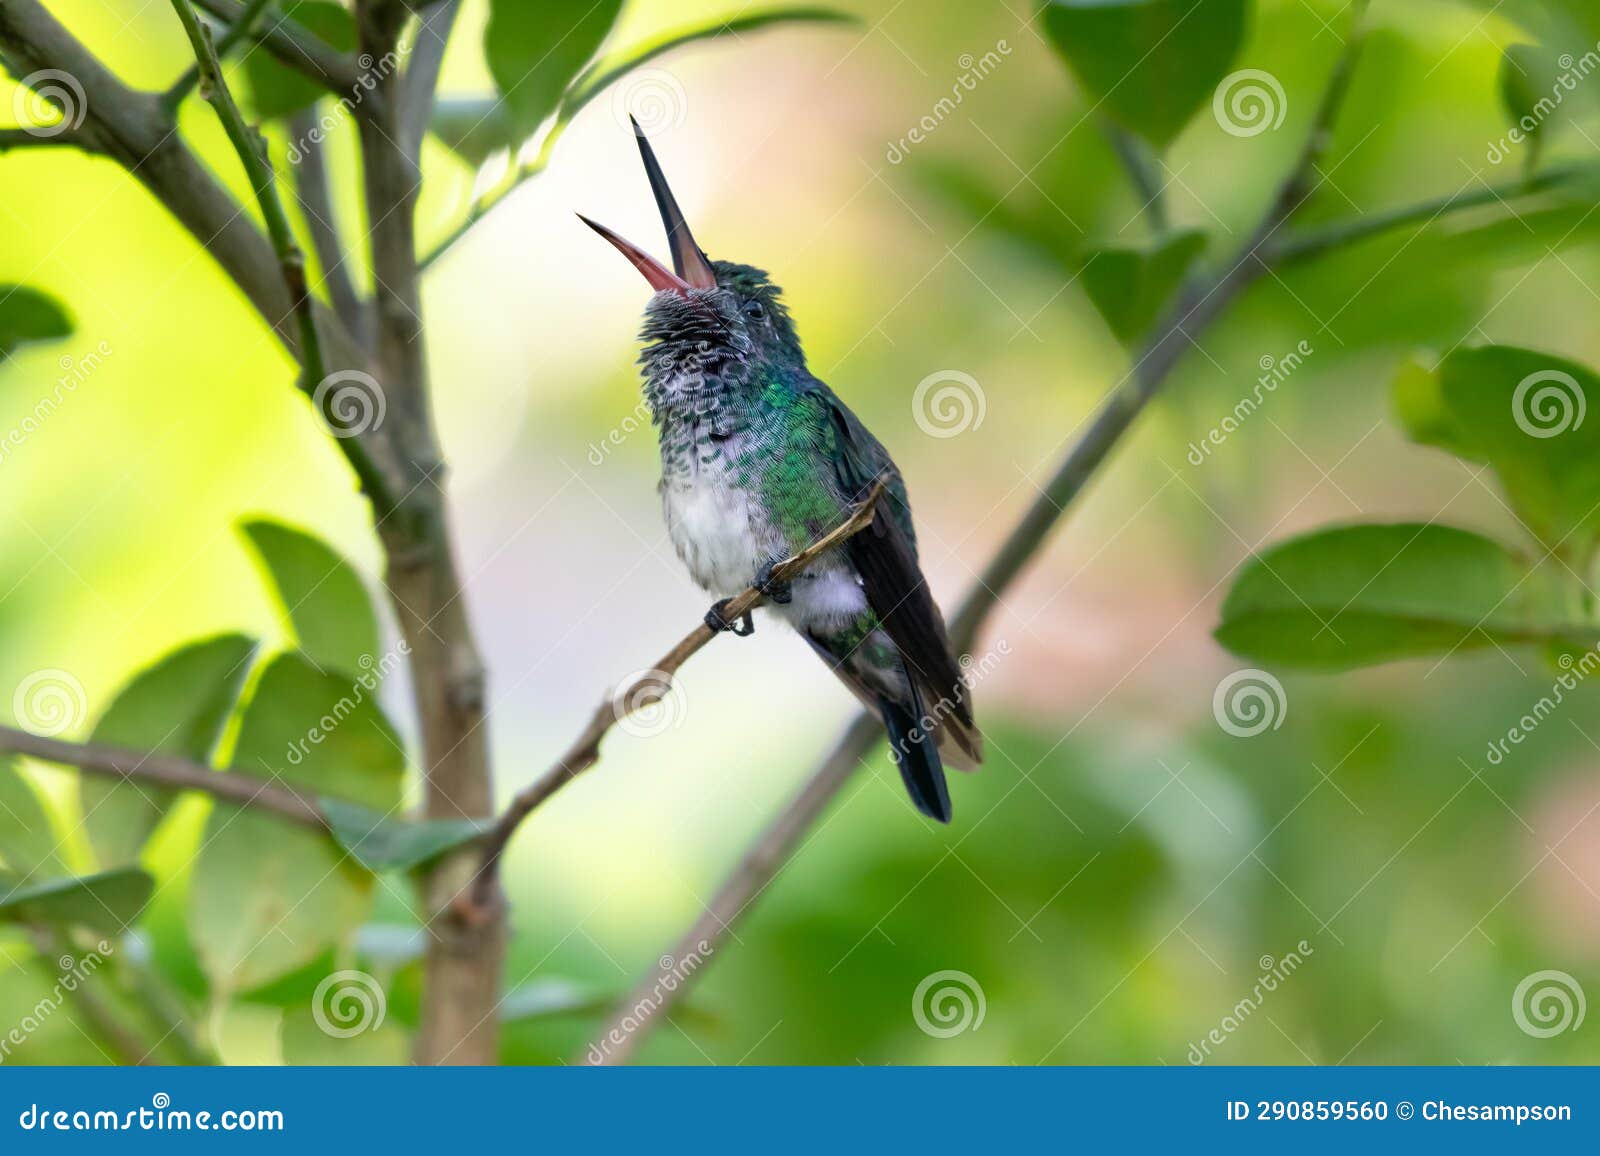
1525,107
534,50
311,1037
1359,595
324,598
552,996
1130,286
267,897
27,838
391,944
381,843
276,90
473,127
1524,413
26,314
178,706
1151,63
108,902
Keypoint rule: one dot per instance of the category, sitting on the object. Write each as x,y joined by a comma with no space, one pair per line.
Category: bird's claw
778,592
742,627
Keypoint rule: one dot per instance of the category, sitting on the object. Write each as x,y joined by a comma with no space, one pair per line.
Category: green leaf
533,50
27,838
1131,286
1525,413
266,897
326,602
179,706
1526,107
381,843
1360,595
310,1040
108,902
473,127
27,315
276,90
1150,63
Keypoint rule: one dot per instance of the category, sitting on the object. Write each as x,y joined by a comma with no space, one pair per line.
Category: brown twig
585,749
168,771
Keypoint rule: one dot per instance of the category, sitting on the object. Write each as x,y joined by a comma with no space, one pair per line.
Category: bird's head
707,318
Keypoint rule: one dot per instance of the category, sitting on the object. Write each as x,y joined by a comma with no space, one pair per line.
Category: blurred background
1124,869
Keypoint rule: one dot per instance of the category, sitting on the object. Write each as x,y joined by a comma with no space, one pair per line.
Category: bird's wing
885,554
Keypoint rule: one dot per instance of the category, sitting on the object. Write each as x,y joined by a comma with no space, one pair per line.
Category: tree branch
422,73
312,189
1194,312
296,48
235,32
585,749
252,152
170,773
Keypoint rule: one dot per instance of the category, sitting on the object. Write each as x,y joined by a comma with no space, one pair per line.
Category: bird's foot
778,592
742,627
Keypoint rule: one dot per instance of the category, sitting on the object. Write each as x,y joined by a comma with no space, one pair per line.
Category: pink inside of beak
659,276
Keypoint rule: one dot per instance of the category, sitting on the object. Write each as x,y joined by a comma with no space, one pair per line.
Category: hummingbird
759,458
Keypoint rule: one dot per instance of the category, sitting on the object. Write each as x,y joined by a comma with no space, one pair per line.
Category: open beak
690,268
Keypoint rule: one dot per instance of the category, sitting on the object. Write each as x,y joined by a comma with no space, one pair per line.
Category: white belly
711,528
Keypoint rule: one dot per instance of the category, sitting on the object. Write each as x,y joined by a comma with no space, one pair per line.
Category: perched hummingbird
758,460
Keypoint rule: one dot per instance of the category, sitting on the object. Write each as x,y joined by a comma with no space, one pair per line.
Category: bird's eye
755,310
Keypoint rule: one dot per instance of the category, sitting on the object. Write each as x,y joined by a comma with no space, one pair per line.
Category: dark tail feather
916,753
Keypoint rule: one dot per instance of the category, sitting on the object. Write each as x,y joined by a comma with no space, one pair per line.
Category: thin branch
252,151
1195,311
26,138
296,48
168,772
312,189
235,32
585,749
422,73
